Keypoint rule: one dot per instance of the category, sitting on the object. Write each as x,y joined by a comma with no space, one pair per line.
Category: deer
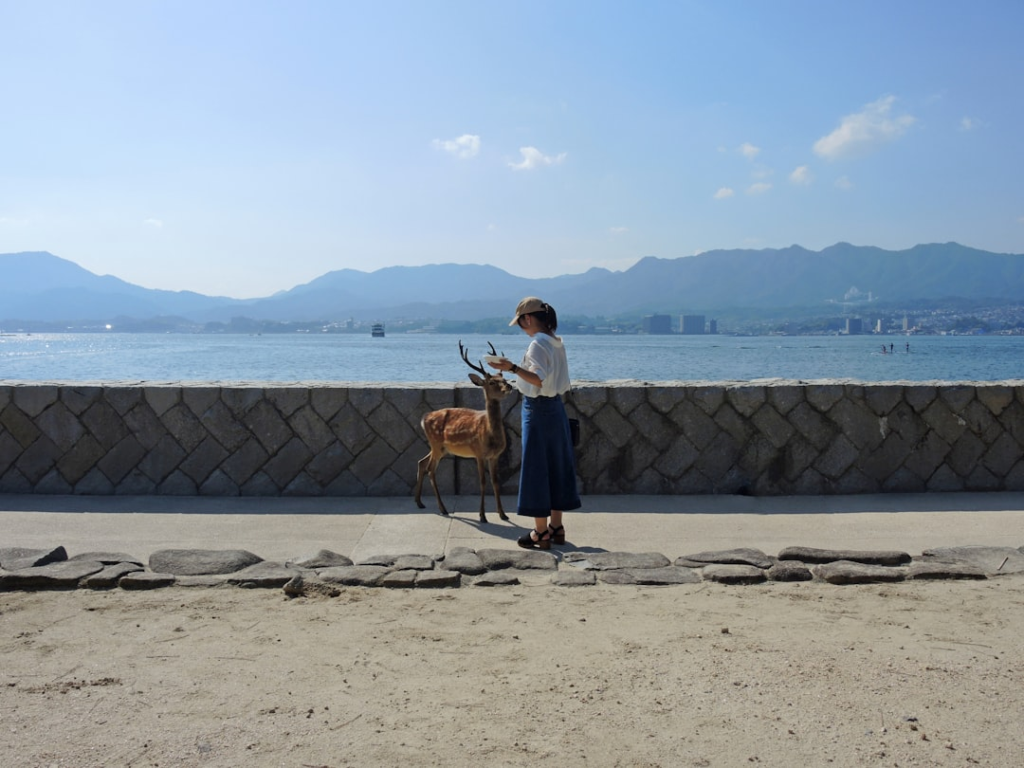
467,433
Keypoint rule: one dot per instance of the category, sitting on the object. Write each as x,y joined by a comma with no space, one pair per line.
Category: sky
243,147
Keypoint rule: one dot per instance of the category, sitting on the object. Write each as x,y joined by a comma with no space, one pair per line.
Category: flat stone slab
201,562
437,579
742,556
60,575
325,558
145,580
623,576
868,557
790,570
263,574
107,558
496,579
523,560
464,560
400,562
16,558
569,578
993,561
937,570
399,579
413,563
213,580
614,561
849,572
354,575
110,575
734,574
667,576
424,579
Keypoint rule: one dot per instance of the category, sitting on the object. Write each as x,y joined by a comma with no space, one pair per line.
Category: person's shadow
512,531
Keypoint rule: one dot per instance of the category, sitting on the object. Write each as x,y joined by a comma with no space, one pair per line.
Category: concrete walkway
288,528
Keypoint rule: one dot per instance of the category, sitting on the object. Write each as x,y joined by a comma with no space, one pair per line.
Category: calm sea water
435,358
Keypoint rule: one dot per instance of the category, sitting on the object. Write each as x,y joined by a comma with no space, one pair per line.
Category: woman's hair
548,317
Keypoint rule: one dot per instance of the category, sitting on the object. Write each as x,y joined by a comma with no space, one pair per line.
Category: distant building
693,325
657,324
854,326
712,326
908,323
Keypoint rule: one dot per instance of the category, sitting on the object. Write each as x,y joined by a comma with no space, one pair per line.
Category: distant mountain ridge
39,286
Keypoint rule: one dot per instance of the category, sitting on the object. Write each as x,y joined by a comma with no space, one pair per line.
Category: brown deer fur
467,433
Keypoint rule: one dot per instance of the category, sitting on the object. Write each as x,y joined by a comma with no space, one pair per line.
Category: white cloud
723,193
843,182
618,230
534,158
749,151
155,223
801,175
969,124
864,131
759,188
464,147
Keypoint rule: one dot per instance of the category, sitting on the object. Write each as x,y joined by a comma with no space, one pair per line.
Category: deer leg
428,464
421,467
480,477
492,465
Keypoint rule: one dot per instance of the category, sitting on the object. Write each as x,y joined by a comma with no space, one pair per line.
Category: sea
434,358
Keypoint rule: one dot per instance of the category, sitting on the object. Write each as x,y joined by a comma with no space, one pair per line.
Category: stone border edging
325,572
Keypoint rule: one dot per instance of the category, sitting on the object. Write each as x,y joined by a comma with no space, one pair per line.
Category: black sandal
543,540
557,534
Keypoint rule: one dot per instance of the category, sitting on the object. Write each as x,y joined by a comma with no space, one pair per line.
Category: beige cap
528,306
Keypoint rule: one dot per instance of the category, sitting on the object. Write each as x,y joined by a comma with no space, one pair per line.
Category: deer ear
476,379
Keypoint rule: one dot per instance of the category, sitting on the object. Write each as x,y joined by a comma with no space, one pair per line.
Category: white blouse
545,357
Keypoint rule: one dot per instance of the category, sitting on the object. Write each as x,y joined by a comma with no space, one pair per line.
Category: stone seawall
325,439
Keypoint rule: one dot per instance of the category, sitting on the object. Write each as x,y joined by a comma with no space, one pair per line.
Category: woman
547,479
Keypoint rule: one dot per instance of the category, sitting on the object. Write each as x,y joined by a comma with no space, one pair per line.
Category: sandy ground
914,674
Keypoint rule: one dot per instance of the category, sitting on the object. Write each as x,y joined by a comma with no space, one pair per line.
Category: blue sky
241,148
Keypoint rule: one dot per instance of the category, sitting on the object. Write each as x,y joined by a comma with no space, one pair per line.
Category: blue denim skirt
547,478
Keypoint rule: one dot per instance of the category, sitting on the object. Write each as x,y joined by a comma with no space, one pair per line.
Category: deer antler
465,358
493,351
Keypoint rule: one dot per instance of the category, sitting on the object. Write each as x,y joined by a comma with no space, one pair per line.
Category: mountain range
38,286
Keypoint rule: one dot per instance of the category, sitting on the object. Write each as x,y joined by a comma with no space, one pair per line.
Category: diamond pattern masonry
313,439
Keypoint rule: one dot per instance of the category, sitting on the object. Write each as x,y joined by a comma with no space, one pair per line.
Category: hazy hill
796,277
436,290
41,286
